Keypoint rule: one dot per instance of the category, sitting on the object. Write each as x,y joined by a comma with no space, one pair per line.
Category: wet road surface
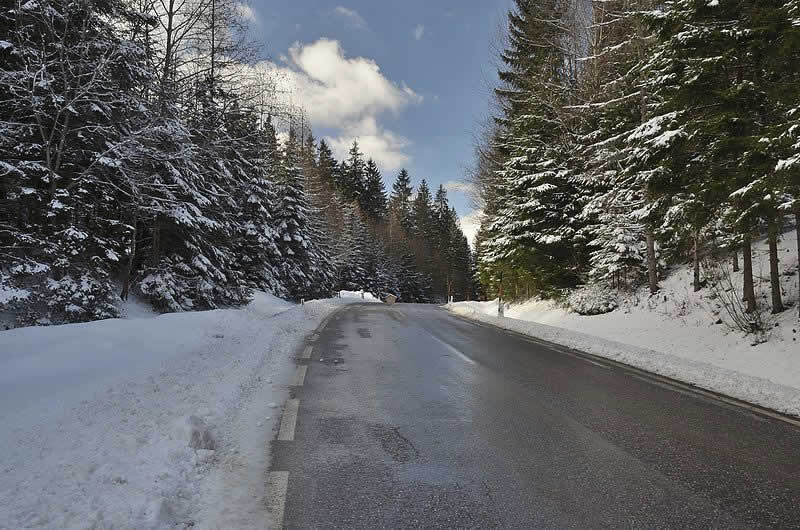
417,419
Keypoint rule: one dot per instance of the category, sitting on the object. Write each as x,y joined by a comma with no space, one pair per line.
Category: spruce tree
715,97
67,113
305,267
400,200
373,200
352,174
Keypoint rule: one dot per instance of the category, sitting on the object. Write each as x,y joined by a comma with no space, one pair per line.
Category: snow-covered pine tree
422,214
373,200
258,253
787,143
325,197
352,260
617,231
715,98
352,174
536,223
400,200
323,214
67,93
190,234
326,166
306,269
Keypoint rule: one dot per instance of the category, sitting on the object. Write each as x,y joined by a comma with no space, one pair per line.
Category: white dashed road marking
278,485
289,420
307,352
300,375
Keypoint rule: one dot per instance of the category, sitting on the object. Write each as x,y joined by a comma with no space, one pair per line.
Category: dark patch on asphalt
362,494
364,333
394,443
335,430
450,506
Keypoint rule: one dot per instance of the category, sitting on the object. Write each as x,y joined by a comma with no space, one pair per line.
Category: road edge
678,384
278,481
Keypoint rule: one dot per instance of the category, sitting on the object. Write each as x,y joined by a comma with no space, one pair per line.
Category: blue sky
409,77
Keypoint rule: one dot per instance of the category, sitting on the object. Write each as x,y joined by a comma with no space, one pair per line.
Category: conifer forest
142,152
631,135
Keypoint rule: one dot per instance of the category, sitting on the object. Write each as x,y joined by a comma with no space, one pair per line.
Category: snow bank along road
408,417
147,423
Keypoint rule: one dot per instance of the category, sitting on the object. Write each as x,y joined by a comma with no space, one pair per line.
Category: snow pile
367,297
134,307
593,300
680,334
147,422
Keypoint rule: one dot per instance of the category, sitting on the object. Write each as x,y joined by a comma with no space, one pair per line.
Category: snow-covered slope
158,422
681,334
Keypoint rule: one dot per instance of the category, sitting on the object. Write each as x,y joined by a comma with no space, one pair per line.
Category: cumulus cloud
470,224
419,32
348,94
334,87
352,16
384,146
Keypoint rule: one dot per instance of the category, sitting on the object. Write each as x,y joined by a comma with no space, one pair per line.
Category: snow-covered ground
367,297
678,334
148,421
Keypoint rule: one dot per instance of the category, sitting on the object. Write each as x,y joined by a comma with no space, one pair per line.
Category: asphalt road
417,419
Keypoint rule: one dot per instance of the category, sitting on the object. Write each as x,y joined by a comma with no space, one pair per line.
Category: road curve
408,417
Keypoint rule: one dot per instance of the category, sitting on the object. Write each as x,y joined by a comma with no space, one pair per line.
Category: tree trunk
735,260
774,273
126,282
696,262
500,309
747,273
156,242
652,273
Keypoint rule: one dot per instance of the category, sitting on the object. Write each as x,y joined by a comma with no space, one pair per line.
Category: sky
409,78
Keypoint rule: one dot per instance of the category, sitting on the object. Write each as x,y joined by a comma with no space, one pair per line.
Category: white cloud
459,186
419,32
352,15
335,88
246,12
470,224
348,94
383,146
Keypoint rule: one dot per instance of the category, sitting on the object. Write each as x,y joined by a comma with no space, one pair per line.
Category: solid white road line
601,365
278,485
300,375
289,420
454,350
307,352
